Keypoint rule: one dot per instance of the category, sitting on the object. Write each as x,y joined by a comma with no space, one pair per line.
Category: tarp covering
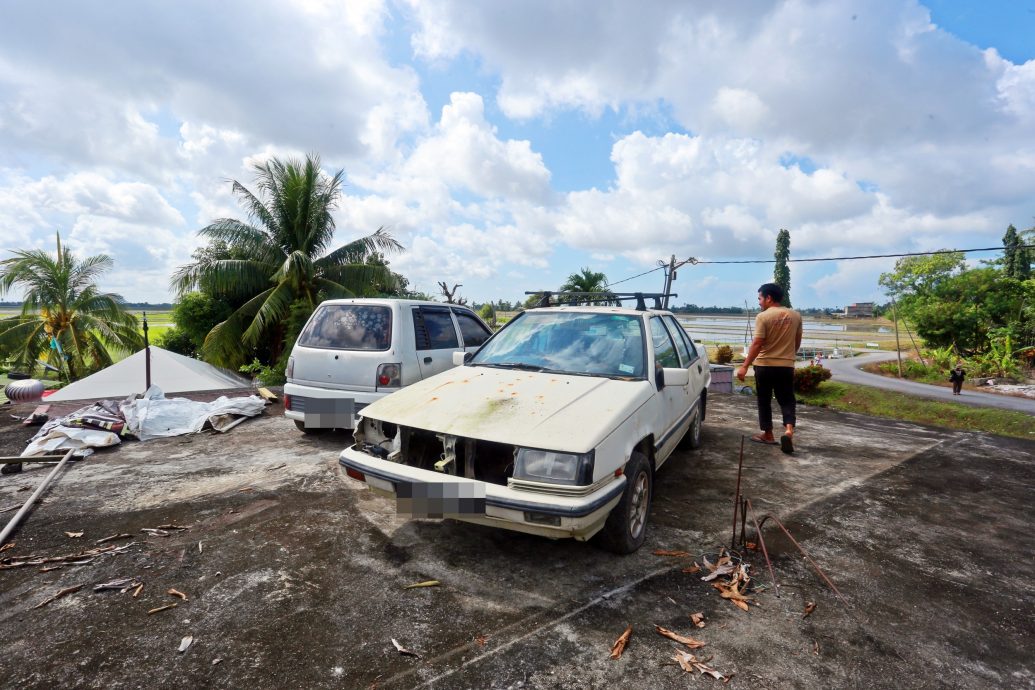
171,372
104,423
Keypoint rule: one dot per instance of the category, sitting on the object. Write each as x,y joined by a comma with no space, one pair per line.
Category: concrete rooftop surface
294,574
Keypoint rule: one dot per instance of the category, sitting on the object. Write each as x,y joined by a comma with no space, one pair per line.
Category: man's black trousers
778,380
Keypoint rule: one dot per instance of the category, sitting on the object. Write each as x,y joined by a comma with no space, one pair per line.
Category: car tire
626,526
692,438
310,430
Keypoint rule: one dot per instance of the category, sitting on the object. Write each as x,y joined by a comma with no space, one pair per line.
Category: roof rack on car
601,298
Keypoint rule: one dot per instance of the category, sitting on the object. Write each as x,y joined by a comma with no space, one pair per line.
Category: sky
508,144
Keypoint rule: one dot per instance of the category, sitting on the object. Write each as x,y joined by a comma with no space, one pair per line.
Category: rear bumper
547,515
321,403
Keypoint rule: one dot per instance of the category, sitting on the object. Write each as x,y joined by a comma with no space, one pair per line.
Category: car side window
664,350
471,328
433,329
684,353
694,352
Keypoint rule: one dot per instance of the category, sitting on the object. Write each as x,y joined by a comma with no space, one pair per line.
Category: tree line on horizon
248,291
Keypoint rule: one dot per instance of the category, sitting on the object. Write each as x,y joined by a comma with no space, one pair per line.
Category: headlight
555,468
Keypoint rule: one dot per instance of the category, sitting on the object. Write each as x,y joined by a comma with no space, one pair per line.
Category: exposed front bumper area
424,493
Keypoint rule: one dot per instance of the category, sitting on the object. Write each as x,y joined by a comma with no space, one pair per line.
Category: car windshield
569,343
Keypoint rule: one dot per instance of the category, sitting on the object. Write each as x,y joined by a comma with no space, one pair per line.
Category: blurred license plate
440,499
330,412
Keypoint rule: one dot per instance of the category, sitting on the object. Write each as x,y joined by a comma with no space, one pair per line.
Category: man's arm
753,350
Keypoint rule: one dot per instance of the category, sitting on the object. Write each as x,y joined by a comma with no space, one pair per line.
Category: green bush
268,376
807,379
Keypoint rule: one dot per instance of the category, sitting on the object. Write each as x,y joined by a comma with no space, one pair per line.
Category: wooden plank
41,410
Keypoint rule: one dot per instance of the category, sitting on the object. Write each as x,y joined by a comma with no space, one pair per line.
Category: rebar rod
736,496
805,554
761,542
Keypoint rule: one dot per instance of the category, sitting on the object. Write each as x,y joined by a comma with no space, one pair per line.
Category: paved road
847,370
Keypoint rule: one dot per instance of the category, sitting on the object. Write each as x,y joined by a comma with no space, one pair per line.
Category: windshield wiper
512,365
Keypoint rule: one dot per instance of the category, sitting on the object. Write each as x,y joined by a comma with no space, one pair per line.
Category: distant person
773,351
956,376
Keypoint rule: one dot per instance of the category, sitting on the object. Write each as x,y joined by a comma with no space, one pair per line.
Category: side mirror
461,358
676,377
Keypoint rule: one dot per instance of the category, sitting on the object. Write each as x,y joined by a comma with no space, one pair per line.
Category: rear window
349,327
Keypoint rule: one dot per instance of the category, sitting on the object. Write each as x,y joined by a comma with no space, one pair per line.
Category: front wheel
626,526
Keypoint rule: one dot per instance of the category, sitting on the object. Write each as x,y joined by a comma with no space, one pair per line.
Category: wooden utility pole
147,357
898,348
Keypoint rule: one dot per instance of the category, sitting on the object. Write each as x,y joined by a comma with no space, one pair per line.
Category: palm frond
356,251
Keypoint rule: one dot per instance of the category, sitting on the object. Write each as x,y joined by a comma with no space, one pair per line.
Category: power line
868,256
636,276
696,262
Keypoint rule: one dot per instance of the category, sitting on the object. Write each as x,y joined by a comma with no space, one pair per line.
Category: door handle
698,368
427,360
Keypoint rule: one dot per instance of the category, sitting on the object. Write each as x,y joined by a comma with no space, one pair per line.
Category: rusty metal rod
743,520
805,554
761,541
736,496
32,499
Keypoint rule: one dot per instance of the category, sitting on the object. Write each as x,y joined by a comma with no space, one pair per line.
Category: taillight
355,474
287,401
389,375
290,371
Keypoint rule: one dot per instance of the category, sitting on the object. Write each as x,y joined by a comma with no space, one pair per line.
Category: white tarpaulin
155,416
171,372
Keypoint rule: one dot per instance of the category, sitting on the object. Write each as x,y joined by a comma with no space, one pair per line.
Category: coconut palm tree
64,314
587,281
279,258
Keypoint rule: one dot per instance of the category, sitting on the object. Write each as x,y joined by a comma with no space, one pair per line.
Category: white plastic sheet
155,416
60,438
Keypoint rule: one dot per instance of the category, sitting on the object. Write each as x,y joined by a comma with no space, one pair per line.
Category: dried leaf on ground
177,593
809,608
403,650
688,641
162,608
697,619
184,643
675,554
8,545
426,583
719,571
751,546
136,592
481,640
63,592
173,526
123,583
619,646
74,535
690,663
692,569
113,538
81,558
154,532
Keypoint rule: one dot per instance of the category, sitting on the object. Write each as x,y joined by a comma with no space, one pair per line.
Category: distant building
859,310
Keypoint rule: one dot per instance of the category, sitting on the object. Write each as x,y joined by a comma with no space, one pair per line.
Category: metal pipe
736,496
147,357
805,554
32,499
761,542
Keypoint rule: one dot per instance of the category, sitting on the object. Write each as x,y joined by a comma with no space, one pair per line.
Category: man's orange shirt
779,328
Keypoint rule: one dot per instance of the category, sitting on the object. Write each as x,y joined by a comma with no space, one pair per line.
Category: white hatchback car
352,352
554,427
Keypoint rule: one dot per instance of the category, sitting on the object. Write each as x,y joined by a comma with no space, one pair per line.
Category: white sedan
555,426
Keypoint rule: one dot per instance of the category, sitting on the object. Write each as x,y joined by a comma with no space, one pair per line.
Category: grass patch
881,403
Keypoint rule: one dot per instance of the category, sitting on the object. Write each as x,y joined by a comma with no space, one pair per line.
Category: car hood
538,410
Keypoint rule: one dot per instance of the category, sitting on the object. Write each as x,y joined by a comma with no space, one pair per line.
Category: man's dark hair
772,290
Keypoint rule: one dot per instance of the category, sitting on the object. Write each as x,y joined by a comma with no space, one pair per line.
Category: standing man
957,376
773,351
